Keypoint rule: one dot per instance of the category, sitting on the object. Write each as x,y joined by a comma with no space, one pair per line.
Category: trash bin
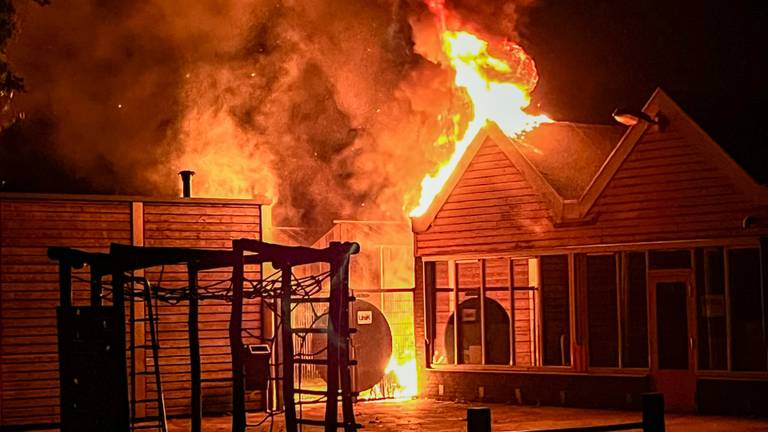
256,367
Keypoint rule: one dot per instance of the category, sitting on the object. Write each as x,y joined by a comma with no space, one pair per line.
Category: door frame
686,276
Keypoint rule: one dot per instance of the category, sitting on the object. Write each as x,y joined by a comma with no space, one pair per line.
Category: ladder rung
318,422
310,330
310,392
350,299
323,362
320,392
153,426
311,300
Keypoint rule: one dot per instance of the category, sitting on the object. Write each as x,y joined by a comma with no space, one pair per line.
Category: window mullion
483,346
452,280
728,341
618,261
512,342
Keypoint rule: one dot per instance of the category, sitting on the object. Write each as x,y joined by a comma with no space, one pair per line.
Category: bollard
478,419
653,412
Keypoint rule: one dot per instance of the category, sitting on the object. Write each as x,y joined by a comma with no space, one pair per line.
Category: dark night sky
710,56
592,56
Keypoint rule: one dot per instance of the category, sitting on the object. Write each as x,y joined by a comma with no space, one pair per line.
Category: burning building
549,262
583,265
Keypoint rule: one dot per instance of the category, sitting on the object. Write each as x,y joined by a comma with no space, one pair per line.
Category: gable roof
568,155
570,165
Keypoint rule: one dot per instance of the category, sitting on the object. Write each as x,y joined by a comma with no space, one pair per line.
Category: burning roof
568,155
570,164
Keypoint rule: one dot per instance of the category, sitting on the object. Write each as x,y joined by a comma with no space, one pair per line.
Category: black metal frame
123,258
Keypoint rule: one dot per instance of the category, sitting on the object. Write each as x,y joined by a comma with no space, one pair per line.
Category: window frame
729,372
579,315
430,310
584,315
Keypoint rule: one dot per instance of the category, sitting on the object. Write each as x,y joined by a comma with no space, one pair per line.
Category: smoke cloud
325,106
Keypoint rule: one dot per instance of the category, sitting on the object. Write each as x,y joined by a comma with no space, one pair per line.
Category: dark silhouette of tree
9,81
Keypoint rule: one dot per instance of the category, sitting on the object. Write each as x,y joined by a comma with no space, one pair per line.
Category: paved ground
435,416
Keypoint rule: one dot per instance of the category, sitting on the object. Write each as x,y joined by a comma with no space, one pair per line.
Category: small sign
364,317
468,315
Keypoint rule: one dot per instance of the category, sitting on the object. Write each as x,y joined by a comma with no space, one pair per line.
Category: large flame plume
498,90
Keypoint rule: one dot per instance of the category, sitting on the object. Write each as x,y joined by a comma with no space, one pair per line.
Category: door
672,309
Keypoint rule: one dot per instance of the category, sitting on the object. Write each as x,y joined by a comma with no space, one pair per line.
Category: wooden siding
205,226
669,188
29,386
30,294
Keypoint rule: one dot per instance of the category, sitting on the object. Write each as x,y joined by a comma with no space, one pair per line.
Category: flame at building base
405,375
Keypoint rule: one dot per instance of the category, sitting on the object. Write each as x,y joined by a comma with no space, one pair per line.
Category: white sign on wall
364,317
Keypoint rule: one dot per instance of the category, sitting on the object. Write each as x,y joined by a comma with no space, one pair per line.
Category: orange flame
406,376
498,92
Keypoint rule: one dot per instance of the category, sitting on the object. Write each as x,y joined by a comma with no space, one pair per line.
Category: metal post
196,403
478,419
287,345
65,284
118,303
653,412
343,333
95,288
236,340
332,353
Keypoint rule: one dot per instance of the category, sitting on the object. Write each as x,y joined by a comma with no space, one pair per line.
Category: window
437,276
616,309
485,311
634,311
603,323
731,310
710,284
748,348
556,334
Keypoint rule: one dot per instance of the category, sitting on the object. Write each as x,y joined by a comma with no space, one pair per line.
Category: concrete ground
430,415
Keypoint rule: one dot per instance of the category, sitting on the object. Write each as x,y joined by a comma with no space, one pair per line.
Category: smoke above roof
325,106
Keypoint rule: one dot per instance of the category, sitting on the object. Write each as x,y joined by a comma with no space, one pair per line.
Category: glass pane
470,336
710,283
556,339
634,311
672,325
470,339
747,343
441,275
524,310
669,259
602,316
443,308
497,321
468,276
443,312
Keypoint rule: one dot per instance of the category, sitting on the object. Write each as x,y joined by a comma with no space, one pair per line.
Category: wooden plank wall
205,226
667,189
30,294
29,289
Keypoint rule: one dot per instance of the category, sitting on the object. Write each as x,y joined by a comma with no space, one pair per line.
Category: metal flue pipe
186,183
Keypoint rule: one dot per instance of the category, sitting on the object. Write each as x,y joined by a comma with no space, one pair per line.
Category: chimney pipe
186,183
